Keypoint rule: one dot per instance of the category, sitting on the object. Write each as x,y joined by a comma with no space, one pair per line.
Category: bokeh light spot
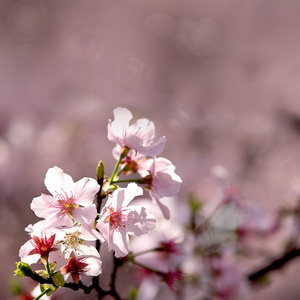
26,20
130,72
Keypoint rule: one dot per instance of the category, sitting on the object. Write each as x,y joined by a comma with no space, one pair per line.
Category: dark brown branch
78,286
71,285
96,279
274,265
117,263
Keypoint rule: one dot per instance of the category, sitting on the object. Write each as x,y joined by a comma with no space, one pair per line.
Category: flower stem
48,268
42,294
115,169
146,251
137,180
147,268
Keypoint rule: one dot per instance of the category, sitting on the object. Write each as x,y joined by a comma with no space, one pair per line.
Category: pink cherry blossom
90,265
42,241
70,202
118,219
161,179
138,136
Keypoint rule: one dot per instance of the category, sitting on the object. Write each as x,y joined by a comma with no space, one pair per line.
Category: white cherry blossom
69,203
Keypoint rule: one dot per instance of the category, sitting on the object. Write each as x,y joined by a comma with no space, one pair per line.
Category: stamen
65,203
118,220
42,245
72,241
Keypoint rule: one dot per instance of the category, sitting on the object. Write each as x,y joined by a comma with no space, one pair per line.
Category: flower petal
85,190
44,206
85,216
156,148
56,180
164,209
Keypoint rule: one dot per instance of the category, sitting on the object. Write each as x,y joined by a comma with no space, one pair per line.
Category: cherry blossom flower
76,239
70,202
118,219
138,136
90,265
161,180
41,243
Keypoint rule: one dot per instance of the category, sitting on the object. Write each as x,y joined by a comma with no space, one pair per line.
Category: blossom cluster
75,218
194,249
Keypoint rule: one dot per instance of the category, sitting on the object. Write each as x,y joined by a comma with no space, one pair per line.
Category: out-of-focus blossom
149,286
172,279
254,221
70,202
138,136
161,250
228,281
118,219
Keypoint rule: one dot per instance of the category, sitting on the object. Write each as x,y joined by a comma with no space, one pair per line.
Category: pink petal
131,191
56,180
85,190
155,148
117,128
85,216
119,244
164,209
43,206
25,249
166,184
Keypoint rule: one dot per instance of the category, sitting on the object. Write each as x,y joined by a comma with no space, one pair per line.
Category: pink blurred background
219,78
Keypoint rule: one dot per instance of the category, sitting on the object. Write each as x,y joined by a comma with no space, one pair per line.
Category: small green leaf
49,289
58,279
42,273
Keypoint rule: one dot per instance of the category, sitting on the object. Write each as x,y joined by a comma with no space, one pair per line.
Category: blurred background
220,79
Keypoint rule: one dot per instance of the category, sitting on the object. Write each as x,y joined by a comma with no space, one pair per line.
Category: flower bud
23,270
124,152
100,170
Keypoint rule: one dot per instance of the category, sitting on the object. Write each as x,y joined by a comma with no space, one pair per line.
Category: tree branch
274,265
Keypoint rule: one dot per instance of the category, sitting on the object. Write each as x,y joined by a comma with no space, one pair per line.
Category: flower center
170,247
66,204
42,245
77,266
117,219
72,241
